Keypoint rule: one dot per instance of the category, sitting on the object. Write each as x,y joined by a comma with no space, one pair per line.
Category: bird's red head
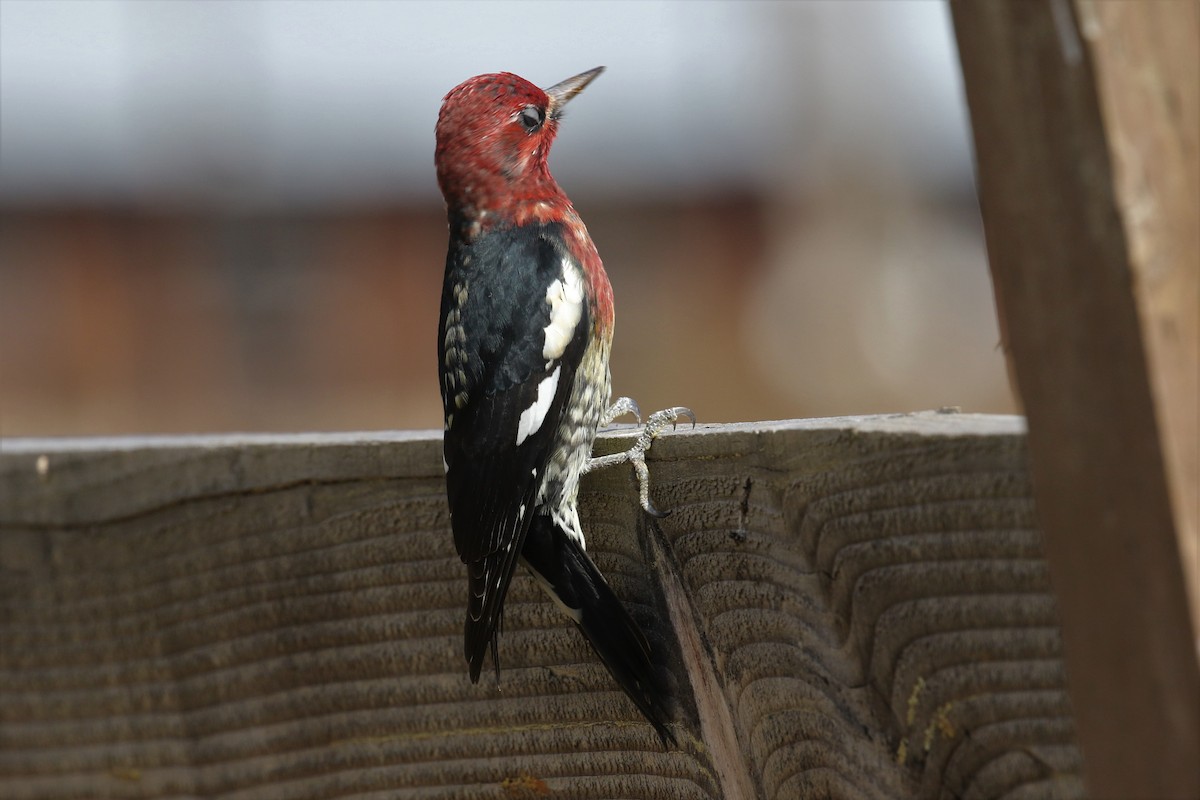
493,138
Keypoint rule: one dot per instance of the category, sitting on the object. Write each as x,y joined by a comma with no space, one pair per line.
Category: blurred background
223,216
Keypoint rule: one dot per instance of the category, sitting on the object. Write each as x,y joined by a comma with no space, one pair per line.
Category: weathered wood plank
1086,136
1146,57
863,599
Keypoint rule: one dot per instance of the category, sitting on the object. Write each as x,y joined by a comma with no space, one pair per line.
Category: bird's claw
659,419
643,478
636,455
620,407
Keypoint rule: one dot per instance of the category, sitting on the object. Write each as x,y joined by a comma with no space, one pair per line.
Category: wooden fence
853,607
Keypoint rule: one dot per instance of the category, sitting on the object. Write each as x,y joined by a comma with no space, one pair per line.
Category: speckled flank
454,337
576,434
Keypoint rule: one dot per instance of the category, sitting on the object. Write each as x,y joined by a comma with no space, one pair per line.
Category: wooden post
1085,126
852,608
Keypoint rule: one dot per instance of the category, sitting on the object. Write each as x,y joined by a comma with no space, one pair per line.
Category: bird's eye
531,118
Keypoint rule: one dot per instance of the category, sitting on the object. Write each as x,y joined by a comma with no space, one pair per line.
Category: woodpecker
523,353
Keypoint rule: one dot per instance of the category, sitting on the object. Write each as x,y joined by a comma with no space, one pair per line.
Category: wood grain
853,608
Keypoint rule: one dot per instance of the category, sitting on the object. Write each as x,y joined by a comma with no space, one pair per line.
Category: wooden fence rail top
852,607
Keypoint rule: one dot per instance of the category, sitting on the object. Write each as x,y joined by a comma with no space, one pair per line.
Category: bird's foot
636,455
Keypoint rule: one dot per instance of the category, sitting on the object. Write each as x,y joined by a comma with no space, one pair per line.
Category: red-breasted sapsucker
523,347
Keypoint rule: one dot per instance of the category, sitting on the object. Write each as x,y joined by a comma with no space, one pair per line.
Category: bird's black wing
507,362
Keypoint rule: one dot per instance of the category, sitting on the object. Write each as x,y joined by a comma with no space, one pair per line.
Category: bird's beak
562,92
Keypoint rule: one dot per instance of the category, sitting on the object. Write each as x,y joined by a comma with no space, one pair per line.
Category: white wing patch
533,417
565,297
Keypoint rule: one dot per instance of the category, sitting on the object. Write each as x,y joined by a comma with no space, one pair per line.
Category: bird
524,337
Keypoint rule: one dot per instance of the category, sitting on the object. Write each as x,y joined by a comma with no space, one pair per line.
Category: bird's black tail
567,573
